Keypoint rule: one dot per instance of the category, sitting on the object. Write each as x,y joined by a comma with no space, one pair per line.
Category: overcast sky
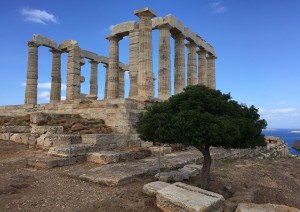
257,44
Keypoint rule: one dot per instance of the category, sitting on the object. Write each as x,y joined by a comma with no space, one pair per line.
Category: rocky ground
26,189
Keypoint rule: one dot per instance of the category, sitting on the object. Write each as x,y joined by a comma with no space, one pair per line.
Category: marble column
106,74
121,83
164,71
94,79
179,63
192,68
211,78
145,72
113,68
55,94
73,73
133,62
32,74
202,67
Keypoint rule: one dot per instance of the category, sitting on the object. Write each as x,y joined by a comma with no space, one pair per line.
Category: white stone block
152,188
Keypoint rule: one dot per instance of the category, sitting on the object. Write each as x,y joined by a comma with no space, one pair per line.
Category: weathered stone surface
182,197
76,150
191,170
163,150
152,188
123,29
146,144
44,41
103,157
296,145
67,45
47,129
172,176
48,140
51,162
251,207
38,118
15,129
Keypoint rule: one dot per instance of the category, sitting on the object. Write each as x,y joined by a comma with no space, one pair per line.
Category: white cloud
38,16
284,111
44,94
218,7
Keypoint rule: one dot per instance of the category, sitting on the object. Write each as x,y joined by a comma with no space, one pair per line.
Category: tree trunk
205,172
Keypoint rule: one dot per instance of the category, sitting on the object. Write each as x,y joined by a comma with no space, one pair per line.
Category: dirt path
26,189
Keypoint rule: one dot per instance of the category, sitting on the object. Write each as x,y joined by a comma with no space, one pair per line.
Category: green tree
202,117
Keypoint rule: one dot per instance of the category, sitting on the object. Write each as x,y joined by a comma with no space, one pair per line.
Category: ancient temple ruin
118,112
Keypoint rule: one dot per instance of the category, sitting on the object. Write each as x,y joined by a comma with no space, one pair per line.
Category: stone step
124,172
51,162
51,140
76,150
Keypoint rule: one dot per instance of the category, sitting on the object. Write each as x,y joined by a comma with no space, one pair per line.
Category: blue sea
289,136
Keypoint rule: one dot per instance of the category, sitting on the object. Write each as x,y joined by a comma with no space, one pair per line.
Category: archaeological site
83,127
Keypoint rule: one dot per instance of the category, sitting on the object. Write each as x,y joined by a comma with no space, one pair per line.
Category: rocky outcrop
296,145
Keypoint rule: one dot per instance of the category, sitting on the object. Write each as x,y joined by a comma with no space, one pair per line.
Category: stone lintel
102,59
116,37
145,12
44,41
191,44
89,55
123,29
67,45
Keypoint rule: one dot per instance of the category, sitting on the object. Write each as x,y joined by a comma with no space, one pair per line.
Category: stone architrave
121,83
55,94
164,72
106,73
192,68
73,73
211,78
179,63
94,79
113,67
202,67
145,71
32,74
133,62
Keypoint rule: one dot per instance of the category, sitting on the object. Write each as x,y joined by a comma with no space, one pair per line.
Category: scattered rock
296,145
251,207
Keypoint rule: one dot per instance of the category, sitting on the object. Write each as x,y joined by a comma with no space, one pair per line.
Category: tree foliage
202,117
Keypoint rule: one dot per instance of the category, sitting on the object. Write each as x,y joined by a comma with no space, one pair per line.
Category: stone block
103,157
44,41
191,169
123,29
16,137
67,45
76,150
146,144
180,197
38,118
47,129
51,162
89,55
163,150
15,129
251,207
151,188
172,176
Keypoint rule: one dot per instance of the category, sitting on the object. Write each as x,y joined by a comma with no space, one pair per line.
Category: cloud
281,113
218,7
38,16
44,94
284,111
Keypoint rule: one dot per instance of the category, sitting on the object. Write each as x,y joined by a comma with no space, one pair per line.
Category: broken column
192,68
211,78
121,83
133,62
179,64
202,73
106,73
164,72
55,94
94,79
145,73
32,74
113,67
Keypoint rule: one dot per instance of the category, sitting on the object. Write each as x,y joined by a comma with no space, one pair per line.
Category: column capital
145,12
32,44
178,36
57,51
191,44
211,57
105,65
165,26
114,38
201,51
93,61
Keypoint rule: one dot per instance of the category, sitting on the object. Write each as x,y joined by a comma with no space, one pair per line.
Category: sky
256,42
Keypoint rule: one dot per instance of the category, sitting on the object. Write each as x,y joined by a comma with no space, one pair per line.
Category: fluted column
145,72
133,62
202,67
192,68
106,74
32,74
113,67
164,72
55,94
179,63
121,83
94,79
211,78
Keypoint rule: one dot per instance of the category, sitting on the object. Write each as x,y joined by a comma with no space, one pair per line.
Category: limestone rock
38,118
180,197
152,188
103,157
251,207
172,176
163,150
296,145
47,129
191,169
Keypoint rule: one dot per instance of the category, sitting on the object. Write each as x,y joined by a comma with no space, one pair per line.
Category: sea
289,136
